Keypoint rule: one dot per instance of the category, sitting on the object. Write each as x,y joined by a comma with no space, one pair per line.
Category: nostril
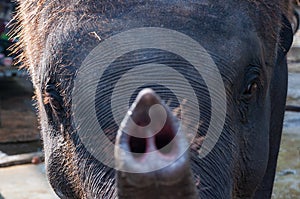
163,140
137,146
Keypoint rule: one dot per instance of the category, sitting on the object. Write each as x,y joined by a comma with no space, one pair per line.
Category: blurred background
22,172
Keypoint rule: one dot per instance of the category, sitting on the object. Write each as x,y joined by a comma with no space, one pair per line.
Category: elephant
213,78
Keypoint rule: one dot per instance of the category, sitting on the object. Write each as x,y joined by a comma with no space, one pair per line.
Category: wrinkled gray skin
248,40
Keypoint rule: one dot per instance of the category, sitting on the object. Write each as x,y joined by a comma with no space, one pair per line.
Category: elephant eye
251,89
52,98
249,95
253,84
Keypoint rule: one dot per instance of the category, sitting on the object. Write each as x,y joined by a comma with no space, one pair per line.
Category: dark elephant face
242,66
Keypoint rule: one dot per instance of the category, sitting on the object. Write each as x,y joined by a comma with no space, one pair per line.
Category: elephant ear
278,90
295,21
286,39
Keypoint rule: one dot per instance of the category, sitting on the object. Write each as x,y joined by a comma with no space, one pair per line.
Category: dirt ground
25,182
18,122
287,181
